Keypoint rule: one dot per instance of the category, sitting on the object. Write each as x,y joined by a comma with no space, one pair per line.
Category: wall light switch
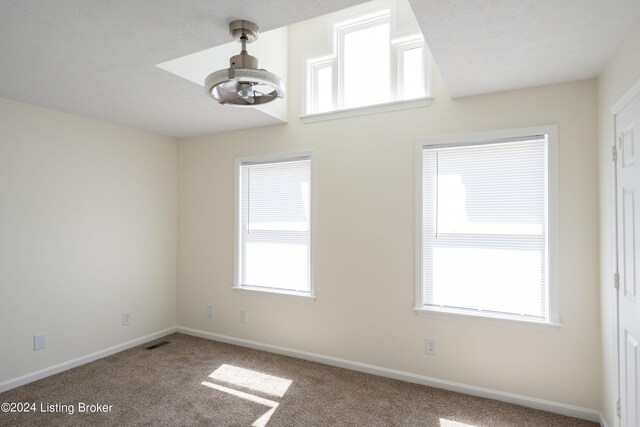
39,341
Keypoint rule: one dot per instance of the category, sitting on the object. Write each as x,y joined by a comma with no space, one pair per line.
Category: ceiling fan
243,84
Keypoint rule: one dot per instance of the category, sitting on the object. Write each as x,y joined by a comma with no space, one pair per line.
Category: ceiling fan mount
241,28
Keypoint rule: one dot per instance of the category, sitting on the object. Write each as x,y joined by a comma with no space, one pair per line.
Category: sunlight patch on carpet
253,380
449,423
264,418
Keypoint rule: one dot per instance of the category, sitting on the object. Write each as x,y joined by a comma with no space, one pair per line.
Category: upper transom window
374,61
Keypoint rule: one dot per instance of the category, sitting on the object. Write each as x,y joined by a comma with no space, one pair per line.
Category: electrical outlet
209,311
430,346
126,318
39,342
243,316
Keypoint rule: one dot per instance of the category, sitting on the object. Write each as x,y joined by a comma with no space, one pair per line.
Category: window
487,234
369,65
365,61
274,224
411,67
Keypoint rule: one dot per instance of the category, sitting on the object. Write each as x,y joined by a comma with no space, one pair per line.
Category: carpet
190,381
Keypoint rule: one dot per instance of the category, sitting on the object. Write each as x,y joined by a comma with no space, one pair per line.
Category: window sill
366,110
485,318
275,292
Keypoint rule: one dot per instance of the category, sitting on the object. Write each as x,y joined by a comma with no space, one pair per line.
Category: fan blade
256,93
226,95
262,88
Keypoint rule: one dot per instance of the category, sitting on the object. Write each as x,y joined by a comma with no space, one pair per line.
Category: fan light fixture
243,84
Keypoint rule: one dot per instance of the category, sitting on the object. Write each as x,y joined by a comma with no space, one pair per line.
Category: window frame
398,42
401,45
551,206
312,79
238,232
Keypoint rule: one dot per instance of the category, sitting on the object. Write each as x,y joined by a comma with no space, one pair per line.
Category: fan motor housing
243,60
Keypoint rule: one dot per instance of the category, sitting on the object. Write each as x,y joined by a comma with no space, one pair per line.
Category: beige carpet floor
171,386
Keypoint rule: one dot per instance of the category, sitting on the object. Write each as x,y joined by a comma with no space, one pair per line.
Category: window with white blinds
274,221
485,233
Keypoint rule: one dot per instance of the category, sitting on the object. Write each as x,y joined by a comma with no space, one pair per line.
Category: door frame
616,108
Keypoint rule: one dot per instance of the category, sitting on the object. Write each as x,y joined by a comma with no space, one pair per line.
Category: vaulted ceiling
494,45
96,58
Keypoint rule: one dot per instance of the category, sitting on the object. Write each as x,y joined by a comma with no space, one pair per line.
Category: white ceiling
96,58
484,46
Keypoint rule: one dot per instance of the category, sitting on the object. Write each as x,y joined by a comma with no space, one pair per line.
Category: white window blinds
484,225
275,227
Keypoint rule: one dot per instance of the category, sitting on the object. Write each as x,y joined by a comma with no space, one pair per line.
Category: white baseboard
530,402
545,405
60,367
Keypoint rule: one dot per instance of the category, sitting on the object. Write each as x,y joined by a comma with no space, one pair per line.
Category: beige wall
87,232
622,71
364,250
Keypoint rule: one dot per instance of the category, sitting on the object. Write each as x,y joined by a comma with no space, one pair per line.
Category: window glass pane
484,227
496,279
275,225
366,66
277,261
412,73
324,89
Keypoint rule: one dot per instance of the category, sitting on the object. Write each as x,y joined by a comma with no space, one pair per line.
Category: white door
628,211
